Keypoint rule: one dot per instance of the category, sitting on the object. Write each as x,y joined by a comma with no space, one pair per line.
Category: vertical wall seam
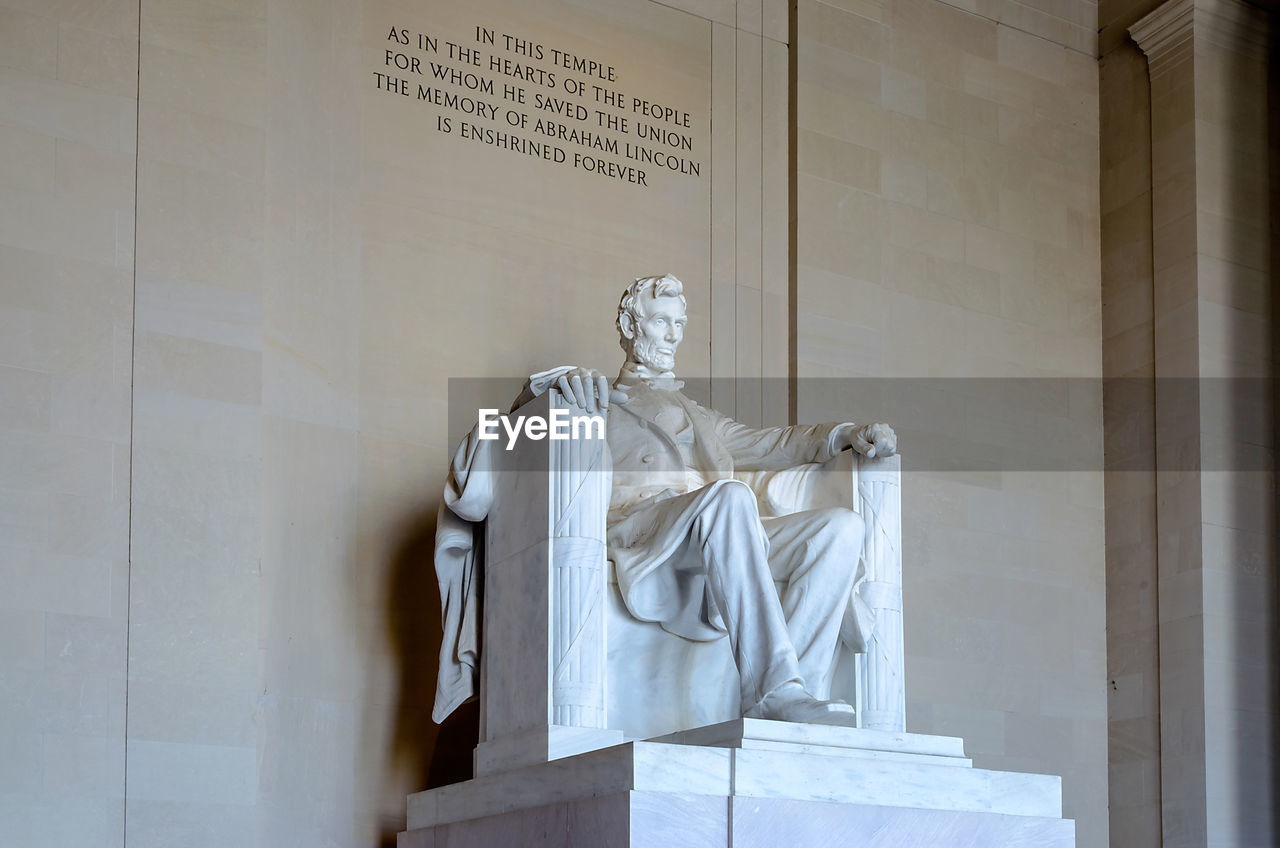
762,349
711,202
737,202
793,163
133,412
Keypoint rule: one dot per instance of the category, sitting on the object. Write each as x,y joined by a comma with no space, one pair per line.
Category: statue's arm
773,448
784,447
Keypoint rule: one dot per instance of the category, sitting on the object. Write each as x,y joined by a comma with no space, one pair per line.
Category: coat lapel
708,450
642,408
709,454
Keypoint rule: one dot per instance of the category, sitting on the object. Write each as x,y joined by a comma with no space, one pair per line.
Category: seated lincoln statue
673,606
689,546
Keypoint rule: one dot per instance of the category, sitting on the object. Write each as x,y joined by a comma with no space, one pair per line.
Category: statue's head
651,318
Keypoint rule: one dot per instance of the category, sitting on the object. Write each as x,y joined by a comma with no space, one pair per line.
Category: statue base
750,782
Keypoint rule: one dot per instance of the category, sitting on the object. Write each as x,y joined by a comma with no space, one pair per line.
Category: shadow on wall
430,755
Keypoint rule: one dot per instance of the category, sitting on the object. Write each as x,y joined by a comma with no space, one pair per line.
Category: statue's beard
652,355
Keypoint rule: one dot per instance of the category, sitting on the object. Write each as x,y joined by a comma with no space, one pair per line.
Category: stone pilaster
1214,451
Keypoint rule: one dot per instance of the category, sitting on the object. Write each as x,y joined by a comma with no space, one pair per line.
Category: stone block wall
947,218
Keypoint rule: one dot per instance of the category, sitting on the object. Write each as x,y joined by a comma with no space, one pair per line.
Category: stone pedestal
750,782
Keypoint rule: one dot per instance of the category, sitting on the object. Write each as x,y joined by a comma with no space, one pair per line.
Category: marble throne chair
565,668
596,728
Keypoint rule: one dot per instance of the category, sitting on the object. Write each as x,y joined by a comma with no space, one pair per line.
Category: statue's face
659,333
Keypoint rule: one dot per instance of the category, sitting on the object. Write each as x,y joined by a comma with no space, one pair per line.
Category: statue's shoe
793,703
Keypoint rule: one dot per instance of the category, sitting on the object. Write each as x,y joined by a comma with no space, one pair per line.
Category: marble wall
1190,499
317,260
948,215
1212,174
68,83
1072,23
242,685
1114,19
220,463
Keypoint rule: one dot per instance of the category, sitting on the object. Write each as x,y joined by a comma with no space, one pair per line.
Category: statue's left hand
586,389
874,440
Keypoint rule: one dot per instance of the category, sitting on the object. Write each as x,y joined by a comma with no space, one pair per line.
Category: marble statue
690,548
670,607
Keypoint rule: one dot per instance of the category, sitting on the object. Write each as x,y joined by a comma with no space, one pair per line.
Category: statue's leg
735,553
815,555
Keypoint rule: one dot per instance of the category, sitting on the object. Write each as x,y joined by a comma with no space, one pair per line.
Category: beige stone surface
1193,694
306,286
66,276
1133,667
948,220
225,458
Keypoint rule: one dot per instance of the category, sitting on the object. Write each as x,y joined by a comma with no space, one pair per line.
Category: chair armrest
813,485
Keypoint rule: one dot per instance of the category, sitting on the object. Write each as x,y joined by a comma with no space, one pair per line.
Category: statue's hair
664,285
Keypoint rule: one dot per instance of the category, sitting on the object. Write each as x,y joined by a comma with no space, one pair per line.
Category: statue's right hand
875,441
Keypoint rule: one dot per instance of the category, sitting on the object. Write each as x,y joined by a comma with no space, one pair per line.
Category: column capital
1167,35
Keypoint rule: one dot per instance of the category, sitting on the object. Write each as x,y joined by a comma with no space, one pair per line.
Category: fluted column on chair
881,670
542,672
580,478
